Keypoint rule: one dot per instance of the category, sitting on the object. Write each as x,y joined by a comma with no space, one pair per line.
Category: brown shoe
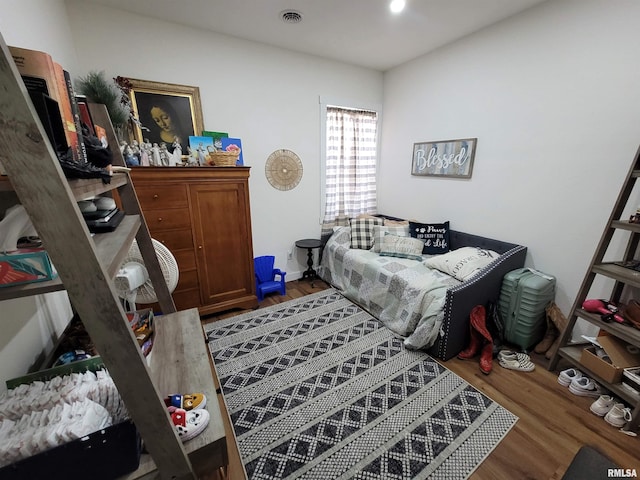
547,341
550,335
631,313
552,349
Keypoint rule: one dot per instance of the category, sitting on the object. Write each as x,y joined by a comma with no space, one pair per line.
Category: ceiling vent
290,16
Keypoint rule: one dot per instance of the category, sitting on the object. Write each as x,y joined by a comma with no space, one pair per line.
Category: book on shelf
41,74
75,112
49,114
85,114
199,148
237,142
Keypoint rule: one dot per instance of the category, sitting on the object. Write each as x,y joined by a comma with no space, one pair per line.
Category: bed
419,302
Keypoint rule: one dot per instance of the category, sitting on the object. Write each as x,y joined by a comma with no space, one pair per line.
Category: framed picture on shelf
166,112
446,158
217,138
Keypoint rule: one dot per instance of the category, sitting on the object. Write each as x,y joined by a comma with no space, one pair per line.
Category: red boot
478,319
479,323
474,345
486,358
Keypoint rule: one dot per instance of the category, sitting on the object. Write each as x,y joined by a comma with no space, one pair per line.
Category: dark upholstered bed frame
479,290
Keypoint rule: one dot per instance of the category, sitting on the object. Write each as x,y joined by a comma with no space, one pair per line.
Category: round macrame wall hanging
283,169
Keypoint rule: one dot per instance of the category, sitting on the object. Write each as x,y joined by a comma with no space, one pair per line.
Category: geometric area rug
317,388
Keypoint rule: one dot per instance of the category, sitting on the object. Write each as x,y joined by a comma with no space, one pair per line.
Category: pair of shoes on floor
579,384
190,418
615,413
481,340
515,361
566,376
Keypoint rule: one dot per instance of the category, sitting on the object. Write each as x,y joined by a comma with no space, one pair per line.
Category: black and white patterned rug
319,389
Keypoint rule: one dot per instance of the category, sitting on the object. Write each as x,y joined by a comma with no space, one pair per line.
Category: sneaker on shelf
566,376
618,415
585,387
602,405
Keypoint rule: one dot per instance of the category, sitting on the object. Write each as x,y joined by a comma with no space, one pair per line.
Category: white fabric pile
41,415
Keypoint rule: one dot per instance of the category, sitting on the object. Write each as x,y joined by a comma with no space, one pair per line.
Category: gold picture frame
176,109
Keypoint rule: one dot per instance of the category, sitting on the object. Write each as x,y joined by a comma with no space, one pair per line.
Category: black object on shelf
102,226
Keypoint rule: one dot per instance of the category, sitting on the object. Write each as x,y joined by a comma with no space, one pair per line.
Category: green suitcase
524,295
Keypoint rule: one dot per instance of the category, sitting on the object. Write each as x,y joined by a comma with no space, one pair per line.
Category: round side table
309,244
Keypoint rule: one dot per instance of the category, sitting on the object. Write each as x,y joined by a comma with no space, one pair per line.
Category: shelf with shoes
86,264
615,321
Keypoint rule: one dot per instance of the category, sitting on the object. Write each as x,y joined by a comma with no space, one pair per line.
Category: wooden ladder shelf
624,278
86,265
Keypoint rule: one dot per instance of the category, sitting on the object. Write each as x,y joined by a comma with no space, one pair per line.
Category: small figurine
202,155
177,152
155,155
145,153
165,156
129,158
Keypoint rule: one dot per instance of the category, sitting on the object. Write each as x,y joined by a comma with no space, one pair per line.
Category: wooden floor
553,423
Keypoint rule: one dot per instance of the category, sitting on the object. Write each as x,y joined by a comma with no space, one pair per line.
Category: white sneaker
585,387
566,376
618,415
602,405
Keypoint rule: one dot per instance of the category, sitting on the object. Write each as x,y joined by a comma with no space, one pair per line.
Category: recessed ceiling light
396,6
291,16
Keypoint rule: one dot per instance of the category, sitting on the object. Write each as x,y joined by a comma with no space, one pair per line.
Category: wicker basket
223,158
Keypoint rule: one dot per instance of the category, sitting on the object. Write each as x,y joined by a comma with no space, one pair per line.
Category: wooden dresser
202,215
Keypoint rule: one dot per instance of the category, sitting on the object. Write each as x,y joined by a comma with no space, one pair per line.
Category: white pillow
403,247
380,231
462,263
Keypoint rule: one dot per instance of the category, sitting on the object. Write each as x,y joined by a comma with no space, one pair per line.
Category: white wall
552,97
268,97
39,25
31,325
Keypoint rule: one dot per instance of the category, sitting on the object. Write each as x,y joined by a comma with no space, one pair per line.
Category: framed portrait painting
445,158
168,113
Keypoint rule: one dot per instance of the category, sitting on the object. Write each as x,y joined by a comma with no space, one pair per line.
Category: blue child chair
266,276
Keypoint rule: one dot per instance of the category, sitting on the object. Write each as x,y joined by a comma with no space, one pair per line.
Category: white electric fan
132,280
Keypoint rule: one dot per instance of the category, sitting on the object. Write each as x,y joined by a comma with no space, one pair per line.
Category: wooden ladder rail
42,188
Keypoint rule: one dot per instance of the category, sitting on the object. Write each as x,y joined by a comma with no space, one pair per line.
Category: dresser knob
199,247
155,197
159,219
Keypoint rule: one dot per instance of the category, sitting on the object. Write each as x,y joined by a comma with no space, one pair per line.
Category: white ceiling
359,32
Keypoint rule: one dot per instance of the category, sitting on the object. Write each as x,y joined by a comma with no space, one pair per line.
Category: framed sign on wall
445,158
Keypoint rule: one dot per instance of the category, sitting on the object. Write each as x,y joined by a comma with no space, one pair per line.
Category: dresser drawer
162,196
186,260
167,219
174,239
188,280
186,299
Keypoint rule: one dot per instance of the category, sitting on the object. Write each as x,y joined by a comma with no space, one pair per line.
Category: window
350,168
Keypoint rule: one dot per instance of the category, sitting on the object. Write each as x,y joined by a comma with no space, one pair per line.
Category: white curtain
350,186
